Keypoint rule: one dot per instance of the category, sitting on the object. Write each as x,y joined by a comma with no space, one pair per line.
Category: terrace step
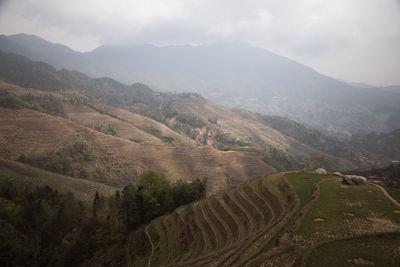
239,212
250,208
260,203
226,218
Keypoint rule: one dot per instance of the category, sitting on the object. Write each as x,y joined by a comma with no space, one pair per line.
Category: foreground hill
232,74
280,219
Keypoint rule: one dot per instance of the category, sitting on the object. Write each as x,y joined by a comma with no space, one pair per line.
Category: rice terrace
199,133
280,220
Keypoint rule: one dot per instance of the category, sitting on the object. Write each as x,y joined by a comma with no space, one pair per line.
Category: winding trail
152,245
386,194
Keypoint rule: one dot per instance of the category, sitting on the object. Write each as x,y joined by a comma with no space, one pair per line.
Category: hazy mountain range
75,155
232,74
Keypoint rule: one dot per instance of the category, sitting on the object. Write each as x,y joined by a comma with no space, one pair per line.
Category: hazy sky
355,40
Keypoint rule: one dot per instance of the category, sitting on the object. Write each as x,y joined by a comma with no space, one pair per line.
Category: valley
184,136
139,177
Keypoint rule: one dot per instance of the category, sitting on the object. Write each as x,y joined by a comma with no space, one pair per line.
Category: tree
179,194
153,196
96,202
129,206
117,208
155,191
184,193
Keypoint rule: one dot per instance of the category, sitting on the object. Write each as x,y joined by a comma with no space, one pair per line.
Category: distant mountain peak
235,74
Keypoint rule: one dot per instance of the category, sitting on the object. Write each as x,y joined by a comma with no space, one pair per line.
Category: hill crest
231,74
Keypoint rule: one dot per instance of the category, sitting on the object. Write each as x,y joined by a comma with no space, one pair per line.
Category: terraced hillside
240,130
280,220
24,175
124,143
184,117
136,144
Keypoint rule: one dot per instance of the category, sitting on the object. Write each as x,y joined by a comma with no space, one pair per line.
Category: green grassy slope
280,219
331,212
377,250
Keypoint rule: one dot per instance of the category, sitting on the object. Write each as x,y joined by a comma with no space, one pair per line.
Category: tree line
44,103
70,159
151,197
43,227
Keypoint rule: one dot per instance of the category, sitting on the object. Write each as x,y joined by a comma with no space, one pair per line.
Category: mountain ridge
189,114
186,123
236,75
107,134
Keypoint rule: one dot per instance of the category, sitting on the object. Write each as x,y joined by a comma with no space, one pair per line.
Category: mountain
188,118
75,188
79,145
231,74
62,130
39,49
102,130
361,85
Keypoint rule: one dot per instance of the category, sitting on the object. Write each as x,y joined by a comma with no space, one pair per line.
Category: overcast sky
355,40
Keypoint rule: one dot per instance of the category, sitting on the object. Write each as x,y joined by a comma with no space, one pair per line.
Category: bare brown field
144,122
91,118
128,125
228,120
141,143
240,125
34,133
129,153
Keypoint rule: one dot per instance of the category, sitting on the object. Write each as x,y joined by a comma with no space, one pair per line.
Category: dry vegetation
240,130
25,175
119,160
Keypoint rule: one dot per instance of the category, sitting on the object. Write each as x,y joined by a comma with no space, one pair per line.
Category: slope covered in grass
280,219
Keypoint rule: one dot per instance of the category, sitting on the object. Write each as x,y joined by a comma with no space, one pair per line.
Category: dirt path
152,245
387,194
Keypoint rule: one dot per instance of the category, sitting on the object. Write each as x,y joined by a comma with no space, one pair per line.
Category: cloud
355,40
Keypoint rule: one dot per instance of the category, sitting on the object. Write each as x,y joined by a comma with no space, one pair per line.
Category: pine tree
96,201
